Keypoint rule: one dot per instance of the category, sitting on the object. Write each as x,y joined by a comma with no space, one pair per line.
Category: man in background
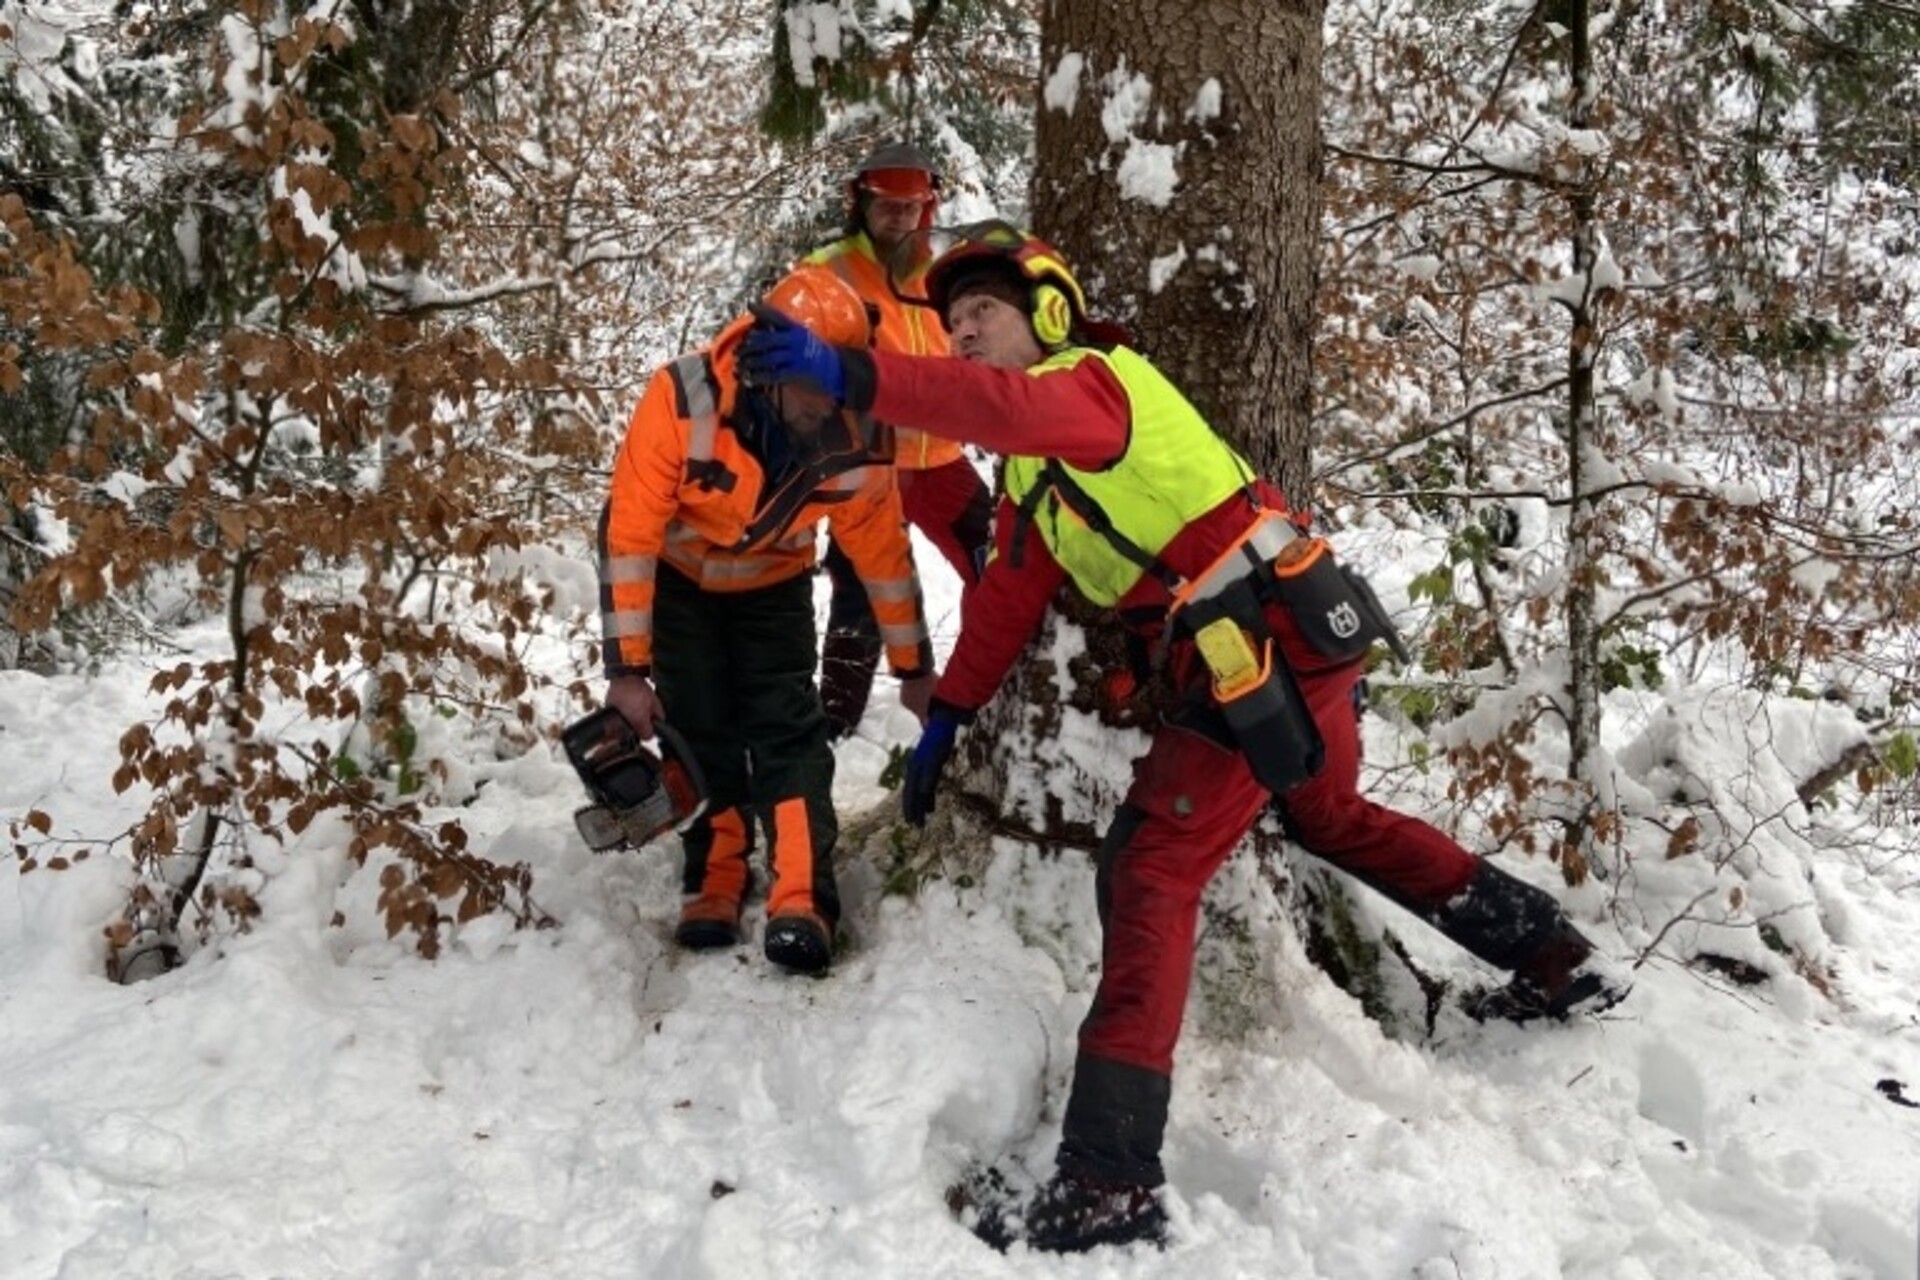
894,193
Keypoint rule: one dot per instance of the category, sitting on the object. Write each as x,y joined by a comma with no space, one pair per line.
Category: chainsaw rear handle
602,736
676,750
606,753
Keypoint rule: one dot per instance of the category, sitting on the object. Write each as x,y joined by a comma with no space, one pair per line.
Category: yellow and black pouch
1255,689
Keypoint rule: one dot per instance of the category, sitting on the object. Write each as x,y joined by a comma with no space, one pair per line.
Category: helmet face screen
899,184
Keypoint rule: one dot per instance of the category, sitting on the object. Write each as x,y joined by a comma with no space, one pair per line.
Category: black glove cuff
856,365
947,710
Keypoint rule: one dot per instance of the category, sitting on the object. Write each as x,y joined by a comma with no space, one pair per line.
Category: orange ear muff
1052,315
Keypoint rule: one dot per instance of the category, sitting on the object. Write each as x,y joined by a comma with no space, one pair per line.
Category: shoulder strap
1054,475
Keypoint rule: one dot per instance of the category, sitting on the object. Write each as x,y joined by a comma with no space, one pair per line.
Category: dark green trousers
735,671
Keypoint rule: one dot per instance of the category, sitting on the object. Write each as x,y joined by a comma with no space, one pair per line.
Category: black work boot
1514,926
800,941
719,879
1562,976
1072,1214
715,881
708,922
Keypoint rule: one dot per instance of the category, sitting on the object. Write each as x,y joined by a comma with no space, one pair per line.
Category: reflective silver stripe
723,571
702,410
695,555
626,622
629,568
891,589
846,481
902,635
1268,539
680,533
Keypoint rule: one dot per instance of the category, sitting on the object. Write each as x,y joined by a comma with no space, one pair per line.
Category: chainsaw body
638,795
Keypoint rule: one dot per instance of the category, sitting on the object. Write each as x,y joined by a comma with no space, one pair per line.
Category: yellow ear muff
1052,315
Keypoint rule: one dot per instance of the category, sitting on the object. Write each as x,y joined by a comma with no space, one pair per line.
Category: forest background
318,328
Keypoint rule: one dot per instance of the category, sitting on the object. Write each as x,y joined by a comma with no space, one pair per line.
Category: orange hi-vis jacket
902,327
688,491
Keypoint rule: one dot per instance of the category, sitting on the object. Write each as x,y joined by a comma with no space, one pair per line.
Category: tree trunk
1194,217
1589,455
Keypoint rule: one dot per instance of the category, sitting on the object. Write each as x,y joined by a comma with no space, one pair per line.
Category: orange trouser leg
803,882
716,870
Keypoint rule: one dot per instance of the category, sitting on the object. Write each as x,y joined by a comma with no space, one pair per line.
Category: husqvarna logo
1345,621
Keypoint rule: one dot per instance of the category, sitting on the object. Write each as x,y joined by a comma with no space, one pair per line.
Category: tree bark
1589,449
1180,176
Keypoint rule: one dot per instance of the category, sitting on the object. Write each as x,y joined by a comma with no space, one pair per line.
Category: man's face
804,409
891,220
989,330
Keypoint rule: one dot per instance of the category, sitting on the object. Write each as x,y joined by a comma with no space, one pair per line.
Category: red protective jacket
1082,416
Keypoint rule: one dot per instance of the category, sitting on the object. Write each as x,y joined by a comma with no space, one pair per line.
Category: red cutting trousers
1192,800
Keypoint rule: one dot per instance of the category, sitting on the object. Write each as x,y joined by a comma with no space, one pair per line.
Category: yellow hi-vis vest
1107,527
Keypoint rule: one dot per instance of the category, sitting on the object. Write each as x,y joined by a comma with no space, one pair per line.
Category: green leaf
1901,755
1436,586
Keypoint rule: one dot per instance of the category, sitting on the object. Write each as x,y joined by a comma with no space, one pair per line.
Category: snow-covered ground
578,1102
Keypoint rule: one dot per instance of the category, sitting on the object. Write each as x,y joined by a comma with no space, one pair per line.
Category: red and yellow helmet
824,303
1057,302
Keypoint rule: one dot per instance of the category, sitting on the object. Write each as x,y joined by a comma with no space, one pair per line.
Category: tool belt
1224,610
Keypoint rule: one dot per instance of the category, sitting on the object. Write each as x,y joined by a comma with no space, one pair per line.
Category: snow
813,32
49,530
1207,101
1656,387
1161,270
1421,266
1815,574
315,1101
1128,97
1062,89
1148,172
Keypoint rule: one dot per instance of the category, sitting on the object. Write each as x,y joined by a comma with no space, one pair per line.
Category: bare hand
634,698
916,695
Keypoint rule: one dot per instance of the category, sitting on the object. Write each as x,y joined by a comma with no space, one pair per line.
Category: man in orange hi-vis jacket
707,546
894,193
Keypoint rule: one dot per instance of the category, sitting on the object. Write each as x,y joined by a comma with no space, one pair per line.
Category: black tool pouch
1256,692
1275,729
1336,610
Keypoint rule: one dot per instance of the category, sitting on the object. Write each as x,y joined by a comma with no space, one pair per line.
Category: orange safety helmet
1057,303
824,303
895,171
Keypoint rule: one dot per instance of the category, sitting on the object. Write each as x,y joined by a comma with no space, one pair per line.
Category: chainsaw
638,796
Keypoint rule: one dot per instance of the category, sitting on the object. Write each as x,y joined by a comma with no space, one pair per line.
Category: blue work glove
925,765
777,350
